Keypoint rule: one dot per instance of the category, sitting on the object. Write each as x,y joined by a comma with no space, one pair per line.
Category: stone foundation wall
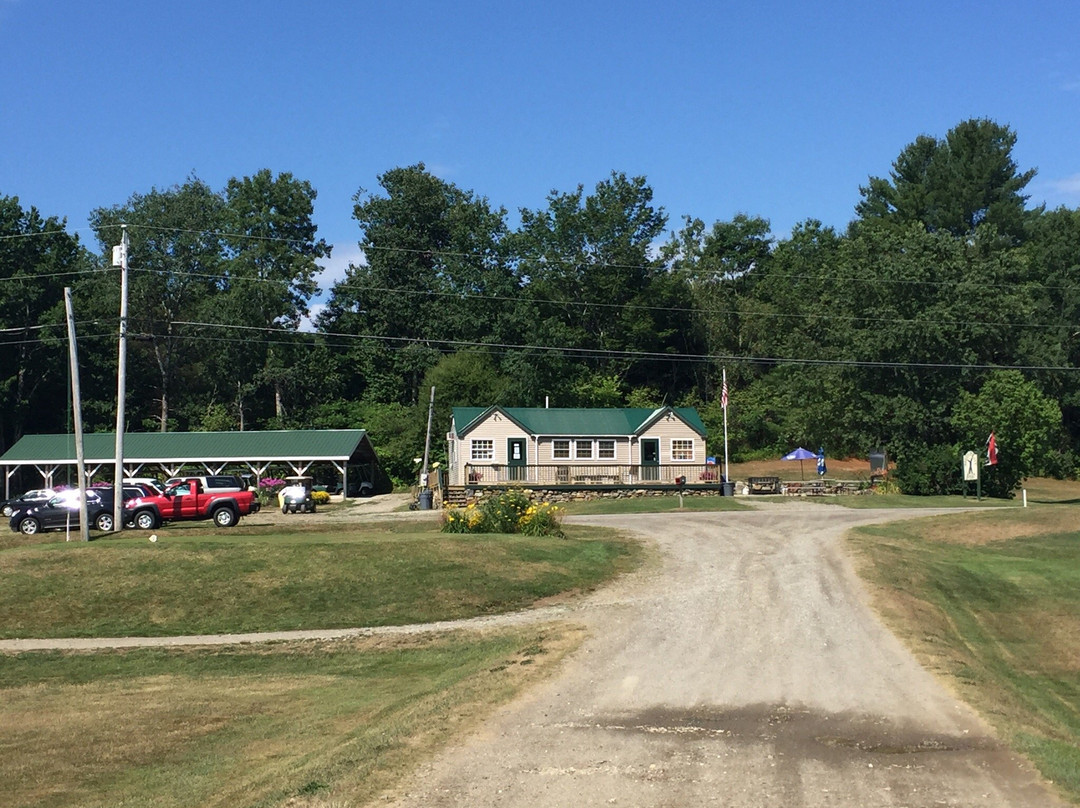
555,495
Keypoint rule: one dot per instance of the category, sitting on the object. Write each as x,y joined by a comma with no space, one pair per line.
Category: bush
502,514
928,470
509,512
469,519
541,520
320,497
268,490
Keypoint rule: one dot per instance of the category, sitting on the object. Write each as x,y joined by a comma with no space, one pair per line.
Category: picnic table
812,487
763,485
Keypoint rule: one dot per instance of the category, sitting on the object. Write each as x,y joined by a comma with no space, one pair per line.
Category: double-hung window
605,449
583,450
560,449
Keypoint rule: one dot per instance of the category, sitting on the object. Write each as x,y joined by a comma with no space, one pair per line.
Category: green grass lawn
991,601
299,724
305,724
197,581
658,504
904,501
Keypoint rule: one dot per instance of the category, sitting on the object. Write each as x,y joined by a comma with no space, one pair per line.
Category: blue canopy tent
800,454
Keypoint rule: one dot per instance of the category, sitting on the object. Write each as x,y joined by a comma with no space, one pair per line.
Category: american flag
723,393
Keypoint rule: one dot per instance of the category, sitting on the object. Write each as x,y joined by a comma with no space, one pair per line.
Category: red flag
991,450
723,393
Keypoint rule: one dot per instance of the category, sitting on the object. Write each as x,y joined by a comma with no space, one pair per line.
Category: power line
658,265
600,353
623,306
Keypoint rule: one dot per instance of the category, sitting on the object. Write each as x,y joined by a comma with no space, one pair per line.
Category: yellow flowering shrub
509,512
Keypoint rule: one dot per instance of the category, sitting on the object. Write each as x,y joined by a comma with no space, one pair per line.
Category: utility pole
427,440
76,405
423,495
120,258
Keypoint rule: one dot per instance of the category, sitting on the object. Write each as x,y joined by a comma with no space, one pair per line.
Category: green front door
516,459
650,458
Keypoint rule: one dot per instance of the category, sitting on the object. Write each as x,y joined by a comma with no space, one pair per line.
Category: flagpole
724,401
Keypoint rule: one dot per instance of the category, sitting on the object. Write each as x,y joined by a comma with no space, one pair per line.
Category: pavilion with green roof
348,452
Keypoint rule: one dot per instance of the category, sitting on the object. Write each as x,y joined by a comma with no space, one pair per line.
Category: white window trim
490,449
693,450
594,444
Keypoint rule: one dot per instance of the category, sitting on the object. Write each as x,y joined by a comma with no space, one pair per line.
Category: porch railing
591,474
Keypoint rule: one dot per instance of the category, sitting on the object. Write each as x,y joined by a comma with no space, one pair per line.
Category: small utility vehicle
296,496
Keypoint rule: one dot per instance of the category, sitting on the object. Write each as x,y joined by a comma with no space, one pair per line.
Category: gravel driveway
744,669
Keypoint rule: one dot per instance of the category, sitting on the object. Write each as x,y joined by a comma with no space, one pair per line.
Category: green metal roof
574,421
149,447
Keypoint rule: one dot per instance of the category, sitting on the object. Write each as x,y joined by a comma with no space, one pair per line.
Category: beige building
578,447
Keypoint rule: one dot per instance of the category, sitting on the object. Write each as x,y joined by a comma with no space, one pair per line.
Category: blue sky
779,109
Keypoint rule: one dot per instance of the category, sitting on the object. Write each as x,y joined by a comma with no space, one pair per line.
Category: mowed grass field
990,601
197,581
987,600
299,723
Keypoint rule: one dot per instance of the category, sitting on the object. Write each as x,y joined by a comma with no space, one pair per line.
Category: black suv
63,511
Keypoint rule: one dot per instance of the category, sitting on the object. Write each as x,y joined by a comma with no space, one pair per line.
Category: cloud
334,267
307,324
1061,191
333,270
1068,185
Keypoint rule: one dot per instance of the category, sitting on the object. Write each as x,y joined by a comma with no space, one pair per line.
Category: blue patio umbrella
821,461
800,454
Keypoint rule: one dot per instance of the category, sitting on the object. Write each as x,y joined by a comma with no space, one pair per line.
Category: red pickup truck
189,500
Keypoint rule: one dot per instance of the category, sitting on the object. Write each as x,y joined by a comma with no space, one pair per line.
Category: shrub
928,470
509,512
469,519
268,488
320,497
541,520
503,513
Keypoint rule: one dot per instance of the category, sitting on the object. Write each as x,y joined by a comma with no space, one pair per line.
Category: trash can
729,489
425,499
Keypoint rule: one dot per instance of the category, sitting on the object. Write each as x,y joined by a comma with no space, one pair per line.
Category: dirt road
744,669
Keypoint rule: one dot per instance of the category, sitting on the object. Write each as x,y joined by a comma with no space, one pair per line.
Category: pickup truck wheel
224,517
29,526
145,520
104,522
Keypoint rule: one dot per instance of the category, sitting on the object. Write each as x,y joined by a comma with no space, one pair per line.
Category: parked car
189,500
151,484
35,497
221,483
62,510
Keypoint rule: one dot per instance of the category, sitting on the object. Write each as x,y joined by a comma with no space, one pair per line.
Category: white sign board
971,466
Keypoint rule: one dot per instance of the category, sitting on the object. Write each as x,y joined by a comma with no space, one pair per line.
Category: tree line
945,310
